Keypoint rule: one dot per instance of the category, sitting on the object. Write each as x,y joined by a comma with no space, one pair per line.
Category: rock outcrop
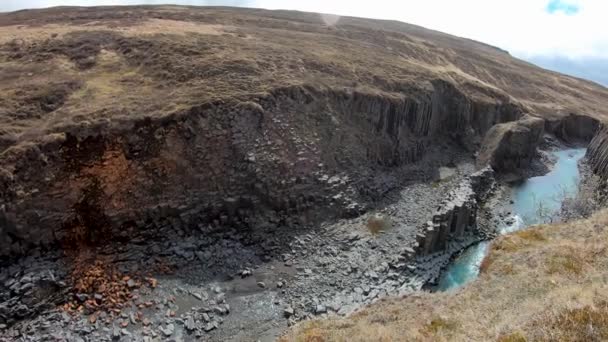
510,147
573,128
597,152
456,217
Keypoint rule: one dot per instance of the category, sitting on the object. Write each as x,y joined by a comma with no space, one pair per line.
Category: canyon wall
597,152
298,154
573,128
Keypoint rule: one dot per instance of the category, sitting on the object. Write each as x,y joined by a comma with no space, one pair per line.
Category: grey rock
115,333
190,324
320,309
288,312
219,310
168,331
82,297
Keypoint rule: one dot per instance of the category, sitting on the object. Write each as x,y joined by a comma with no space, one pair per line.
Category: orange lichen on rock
100,287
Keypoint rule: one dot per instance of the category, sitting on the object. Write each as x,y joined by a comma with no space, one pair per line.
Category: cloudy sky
572,30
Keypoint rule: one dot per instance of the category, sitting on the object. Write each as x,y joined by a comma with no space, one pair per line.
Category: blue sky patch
565,6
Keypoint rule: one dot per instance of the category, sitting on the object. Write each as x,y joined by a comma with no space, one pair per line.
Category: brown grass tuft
513,337
378,223
578,324
437,325
567,261
531,235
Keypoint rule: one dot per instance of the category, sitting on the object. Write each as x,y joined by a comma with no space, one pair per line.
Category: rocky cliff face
597,152
511,146
456,217
573,128
292,156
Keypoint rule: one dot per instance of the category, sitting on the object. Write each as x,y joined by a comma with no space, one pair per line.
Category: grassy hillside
66,66
548,283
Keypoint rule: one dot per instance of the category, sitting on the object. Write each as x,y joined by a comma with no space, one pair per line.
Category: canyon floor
186,173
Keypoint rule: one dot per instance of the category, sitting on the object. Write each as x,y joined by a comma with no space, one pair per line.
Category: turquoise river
534,201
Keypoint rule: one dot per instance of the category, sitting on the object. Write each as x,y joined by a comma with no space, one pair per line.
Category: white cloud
524,27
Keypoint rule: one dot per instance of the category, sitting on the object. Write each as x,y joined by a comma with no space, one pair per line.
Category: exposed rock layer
285,156
573,128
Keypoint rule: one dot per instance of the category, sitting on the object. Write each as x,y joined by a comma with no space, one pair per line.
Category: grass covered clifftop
67,66
547,283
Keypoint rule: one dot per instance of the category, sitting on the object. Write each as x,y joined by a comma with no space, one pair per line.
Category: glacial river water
534,201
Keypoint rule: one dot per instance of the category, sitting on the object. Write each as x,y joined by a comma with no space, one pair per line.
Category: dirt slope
543,284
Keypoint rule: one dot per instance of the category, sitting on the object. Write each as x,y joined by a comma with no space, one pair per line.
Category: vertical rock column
597,153
457,214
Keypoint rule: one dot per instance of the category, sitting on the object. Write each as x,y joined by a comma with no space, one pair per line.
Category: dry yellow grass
548,283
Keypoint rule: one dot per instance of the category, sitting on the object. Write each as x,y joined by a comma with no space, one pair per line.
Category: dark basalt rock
457,215
299,154
597,152
510,147
573,128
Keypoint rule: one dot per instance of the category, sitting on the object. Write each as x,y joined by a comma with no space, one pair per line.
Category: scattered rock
320,309
190,324
168,331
